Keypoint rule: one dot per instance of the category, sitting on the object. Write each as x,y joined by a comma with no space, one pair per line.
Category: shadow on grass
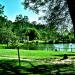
10,67
51,69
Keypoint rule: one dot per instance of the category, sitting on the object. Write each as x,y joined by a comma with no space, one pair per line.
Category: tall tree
71,5
20,18
55,11
1,10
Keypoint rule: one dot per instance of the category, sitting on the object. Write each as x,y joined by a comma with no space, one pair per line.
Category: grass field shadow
9,67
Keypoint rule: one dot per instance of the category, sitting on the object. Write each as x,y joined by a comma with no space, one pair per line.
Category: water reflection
62,47
66,47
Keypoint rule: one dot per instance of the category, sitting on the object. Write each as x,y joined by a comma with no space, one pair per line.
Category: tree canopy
55,30
71,5
55,11
1,10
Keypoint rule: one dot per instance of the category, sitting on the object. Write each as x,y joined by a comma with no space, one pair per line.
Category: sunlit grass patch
33,54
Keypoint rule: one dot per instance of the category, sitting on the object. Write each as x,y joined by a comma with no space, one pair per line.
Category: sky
14,7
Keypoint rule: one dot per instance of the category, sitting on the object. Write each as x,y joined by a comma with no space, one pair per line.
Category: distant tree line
21,30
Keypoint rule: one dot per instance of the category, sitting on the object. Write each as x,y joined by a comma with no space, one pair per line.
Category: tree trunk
71,5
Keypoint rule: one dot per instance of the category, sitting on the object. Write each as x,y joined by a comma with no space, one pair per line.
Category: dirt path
53,61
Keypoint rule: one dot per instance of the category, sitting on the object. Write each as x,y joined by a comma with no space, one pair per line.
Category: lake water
65,47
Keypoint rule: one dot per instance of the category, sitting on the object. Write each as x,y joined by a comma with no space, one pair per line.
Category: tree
20,21
6,35
34,22
71,35
1,10
25,19
20,25
32,33
20,18
71,5
55,11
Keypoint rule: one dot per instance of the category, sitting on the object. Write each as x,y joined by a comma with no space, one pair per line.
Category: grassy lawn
32,53
40,62
11,67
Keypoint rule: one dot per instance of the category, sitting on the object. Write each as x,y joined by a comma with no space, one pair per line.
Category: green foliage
33,54
7,36
1,10
20,31
32,33
52,9
20,18
56,16
3,21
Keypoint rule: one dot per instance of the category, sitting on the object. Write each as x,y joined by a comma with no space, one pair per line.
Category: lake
62,47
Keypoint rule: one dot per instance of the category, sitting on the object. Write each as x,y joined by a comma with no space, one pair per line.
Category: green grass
35,68
2,46
44,67
32,53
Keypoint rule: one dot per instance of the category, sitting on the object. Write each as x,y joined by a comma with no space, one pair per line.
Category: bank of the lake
42,46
